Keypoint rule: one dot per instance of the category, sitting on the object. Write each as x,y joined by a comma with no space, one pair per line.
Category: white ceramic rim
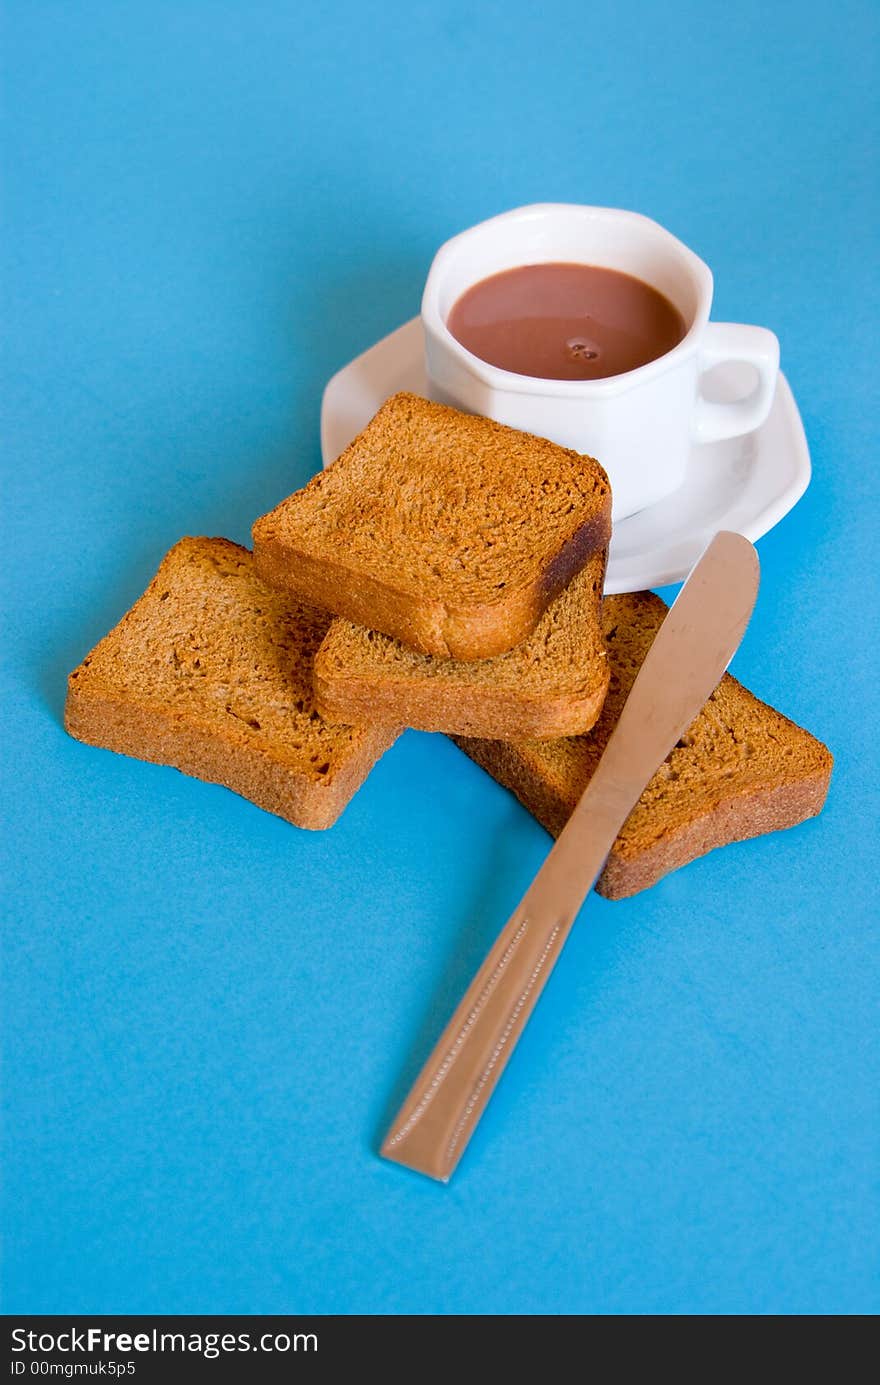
508,380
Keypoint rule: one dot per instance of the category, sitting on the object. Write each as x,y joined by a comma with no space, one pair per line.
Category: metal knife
698,638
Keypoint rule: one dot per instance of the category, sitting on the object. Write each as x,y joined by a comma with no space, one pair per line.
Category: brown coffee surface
565,321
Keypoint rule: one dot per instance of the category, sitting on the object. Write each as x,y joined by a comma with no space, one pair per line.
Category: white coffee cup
641,424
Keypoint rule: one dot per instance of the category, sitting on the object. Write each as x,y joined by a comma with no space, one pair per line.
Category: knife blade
690,652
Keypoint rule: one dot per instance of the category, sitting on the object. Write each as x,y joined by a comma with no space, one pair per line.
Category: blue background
211,1016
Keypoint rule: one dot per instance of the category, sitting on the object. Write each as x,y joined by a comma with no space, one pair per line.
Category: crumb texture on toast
211,657
426,493
445,530
741,768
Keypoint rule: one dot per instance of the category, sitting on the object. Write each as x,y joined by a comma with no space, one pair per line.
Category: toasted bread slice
553,684
444,530
740,770
211,672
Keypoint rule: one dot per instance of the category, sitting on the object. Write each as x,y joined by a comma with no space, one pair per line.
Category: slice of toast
444,530
740,770
553,684
211,672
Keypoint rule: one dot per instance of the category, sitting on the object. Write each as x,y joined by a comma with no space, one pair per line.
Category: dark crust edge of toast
479,711
736,818
98,718
733,820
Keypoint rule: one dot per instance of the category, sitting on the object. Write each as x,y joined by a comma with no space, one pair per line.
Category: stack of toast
445,573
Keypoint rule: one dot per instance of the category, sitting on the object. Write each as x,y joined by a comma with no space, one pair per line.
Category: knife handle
440,1114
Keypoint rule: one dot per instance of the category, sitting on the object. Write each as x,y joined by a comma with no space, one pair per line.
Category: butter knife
698,638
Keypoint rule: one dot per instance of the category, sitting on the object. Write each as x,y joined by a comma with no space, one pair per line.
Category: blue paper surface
209,1016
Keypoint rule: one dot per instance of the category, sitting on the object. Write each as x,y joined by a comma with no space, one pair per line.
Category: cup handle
735,341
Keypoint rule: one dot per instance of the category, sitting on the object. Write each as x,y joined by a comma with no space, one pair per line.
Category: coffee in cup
565,321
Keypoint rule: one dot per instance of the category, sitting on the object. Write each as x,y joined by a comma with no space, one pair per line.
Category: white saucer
746,484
